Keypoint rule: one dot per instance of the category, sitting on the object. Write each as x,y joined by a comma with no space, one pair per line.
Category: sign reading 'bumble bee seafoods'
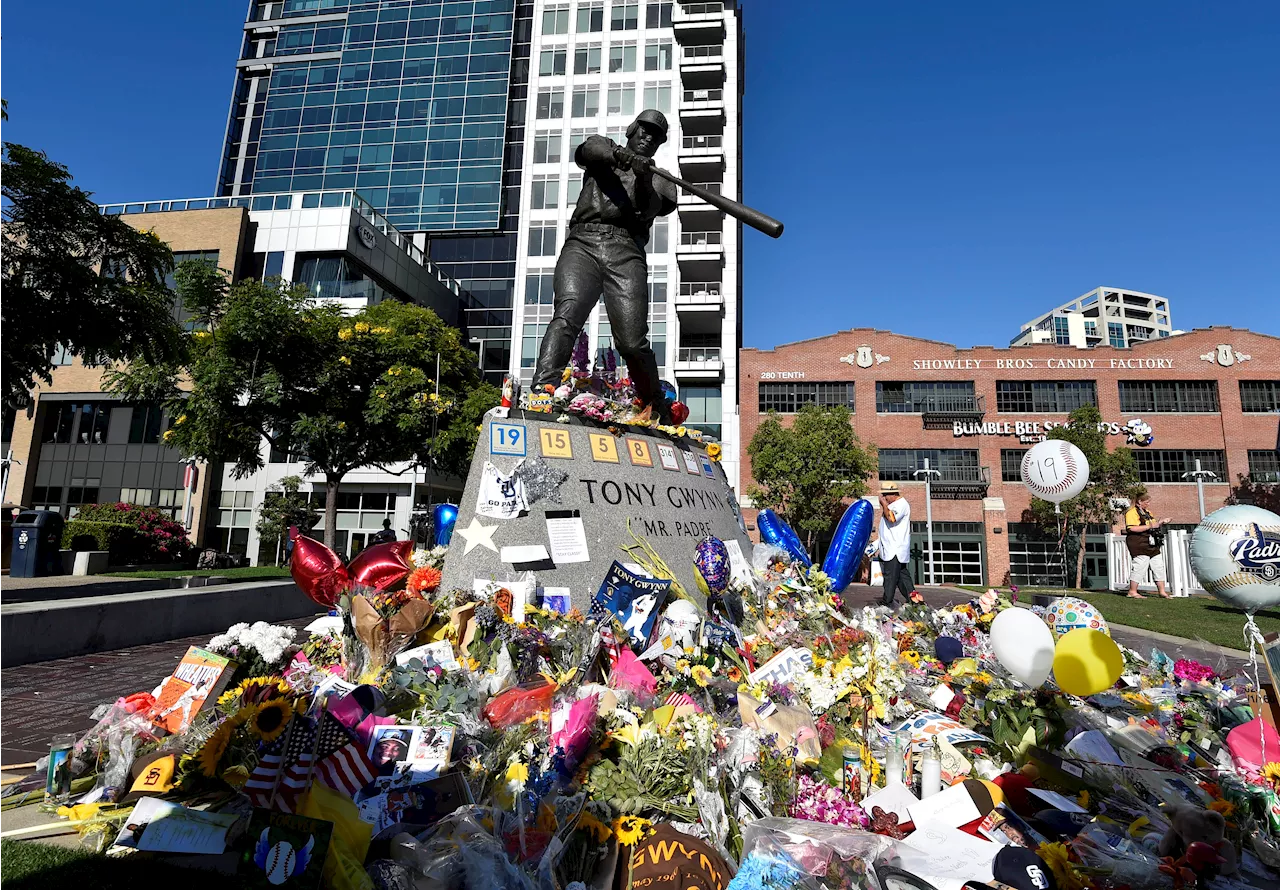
666,491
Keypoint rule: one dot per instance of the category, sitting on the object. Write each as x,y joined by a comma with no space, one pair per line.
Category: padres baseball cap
1019,867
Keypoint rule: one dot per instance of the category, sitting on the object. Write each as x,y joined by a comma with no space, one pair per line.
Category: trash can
37,538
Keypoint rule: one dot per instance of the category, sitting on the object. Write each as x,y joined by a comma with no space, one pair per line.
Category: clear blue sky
945,170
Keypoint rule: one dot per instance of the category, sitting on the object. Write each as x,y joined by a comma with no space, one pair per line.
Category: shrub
119,539
158,538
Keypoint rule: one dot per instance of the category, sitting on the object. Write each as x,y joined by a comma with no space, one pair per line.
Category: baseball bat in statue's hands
760,221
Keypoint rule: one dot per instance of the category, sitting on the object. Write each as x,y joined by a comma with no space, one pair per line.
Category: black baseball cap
1019,867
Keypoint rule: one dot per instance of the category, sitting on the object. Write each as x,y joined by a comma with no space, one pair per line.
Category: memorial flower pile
769,735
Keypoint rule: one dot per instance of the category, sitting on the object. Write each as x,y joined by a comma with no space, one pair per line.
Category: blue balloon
776,532
668,390
849,544
445,516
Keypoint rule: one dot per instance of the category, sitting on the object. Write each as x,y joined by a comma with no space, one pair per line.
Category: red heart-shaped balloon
318,571
382,566
679,412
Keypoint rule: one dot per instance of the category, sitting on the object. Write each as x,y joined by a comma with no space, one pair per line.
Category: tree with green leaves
1112,475
75,279
1247,490
285,506
344,391
805,471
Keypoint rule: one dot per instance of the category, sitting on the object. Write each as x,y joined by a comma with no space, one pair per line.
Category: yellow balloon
1087,662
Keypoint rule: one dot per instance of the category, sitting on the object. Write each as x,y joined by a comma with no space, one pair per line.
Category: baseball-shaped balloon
1235,554
1054,470
318,571
1068,613
711,558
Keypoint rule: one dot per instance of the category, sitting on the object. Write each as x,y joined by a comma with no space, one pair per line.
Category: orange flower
424,580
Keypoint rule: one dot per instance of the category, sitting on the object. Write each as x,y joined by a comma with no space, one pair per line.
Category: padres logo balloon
711,558
1235,554
1054,470
1067,613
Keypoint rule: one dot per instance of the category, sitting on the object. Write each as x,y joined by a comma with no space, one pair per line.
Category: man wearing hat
894,538
604,254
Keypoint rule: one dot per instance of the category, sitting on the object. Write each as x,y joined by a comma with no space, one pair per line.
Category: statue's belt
606,229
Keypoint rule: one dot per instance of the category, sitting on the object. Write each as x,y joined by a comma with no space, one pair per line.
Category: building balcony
700,298
702,157
702,111
700,252
699,363
961,484
941,413
702,66
688,201
699,22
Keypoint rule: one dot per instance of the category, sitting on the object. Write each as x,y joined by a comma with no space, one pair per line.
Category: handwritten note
951,807
947,857
895,798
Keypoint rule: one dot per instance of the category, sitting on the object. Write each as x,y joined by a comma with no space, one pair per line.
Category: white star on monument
478,535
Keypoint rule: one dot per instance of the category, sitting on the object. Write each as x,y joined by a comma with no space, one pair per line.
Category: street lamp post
928,474
1200,475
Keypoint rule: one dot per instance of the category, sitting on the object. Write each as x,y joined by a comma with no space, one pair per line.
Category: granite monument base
584,493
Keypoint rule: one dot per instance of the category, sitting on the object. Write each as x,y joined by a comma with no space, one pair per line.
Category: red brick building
1212,394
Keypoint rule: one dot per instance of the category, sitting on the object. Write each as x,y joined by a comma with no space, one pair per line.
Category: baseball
1054,470
1235,554
280,863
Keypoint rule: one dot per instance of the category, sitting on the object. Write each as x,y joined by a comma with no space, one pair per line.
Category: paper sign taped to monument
567,536
500,497
783,666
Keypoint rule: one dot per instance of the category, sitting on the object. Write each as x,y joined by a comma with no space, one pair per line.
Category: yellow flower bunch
1225,807
346,334
630,830
362,327
346,360
701,674
182,418
168,435
911,657
1059,861
382,330
714,451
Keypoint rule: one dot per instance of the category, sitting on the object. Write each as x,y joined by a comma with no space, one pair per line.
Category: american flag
338,762
679,699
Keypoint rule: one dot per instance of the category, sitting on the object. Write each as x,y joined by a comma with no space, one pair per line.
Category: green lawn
1194,617
248,573
27,865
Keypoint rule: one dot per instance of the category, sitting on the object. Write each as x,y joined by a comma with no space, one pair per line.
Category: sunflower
211,752
911,657
271,718
701,674
253,690
518,774
1059,861
1271,772
594,827
630,829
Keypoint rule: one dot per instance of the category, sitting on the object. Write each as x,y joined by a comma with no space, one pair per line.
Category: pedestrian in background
894,537
1144,538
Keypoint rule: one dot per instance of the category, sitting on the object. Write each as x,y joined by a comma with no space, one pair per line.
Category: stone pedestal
667,491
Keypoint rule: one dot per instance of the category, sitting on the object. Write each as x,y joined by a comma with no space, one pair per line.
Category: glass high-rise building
418,105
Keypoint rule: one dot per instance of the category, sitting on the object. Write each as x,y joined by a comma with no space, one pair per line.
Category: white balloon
1054,470
1024,644
1235,554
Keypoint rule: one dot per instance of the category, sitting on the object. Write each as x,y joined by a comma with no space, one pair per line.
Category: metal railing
709,53
690,143
700,289
952,405
701,239
716,95
702,354
708,8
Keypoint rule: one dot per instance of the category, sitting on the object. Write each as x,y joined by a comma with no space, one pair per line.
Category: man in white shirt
894,539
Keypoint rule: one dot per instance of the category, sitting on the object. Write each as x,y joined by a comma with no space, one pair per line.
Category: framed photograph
391,745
